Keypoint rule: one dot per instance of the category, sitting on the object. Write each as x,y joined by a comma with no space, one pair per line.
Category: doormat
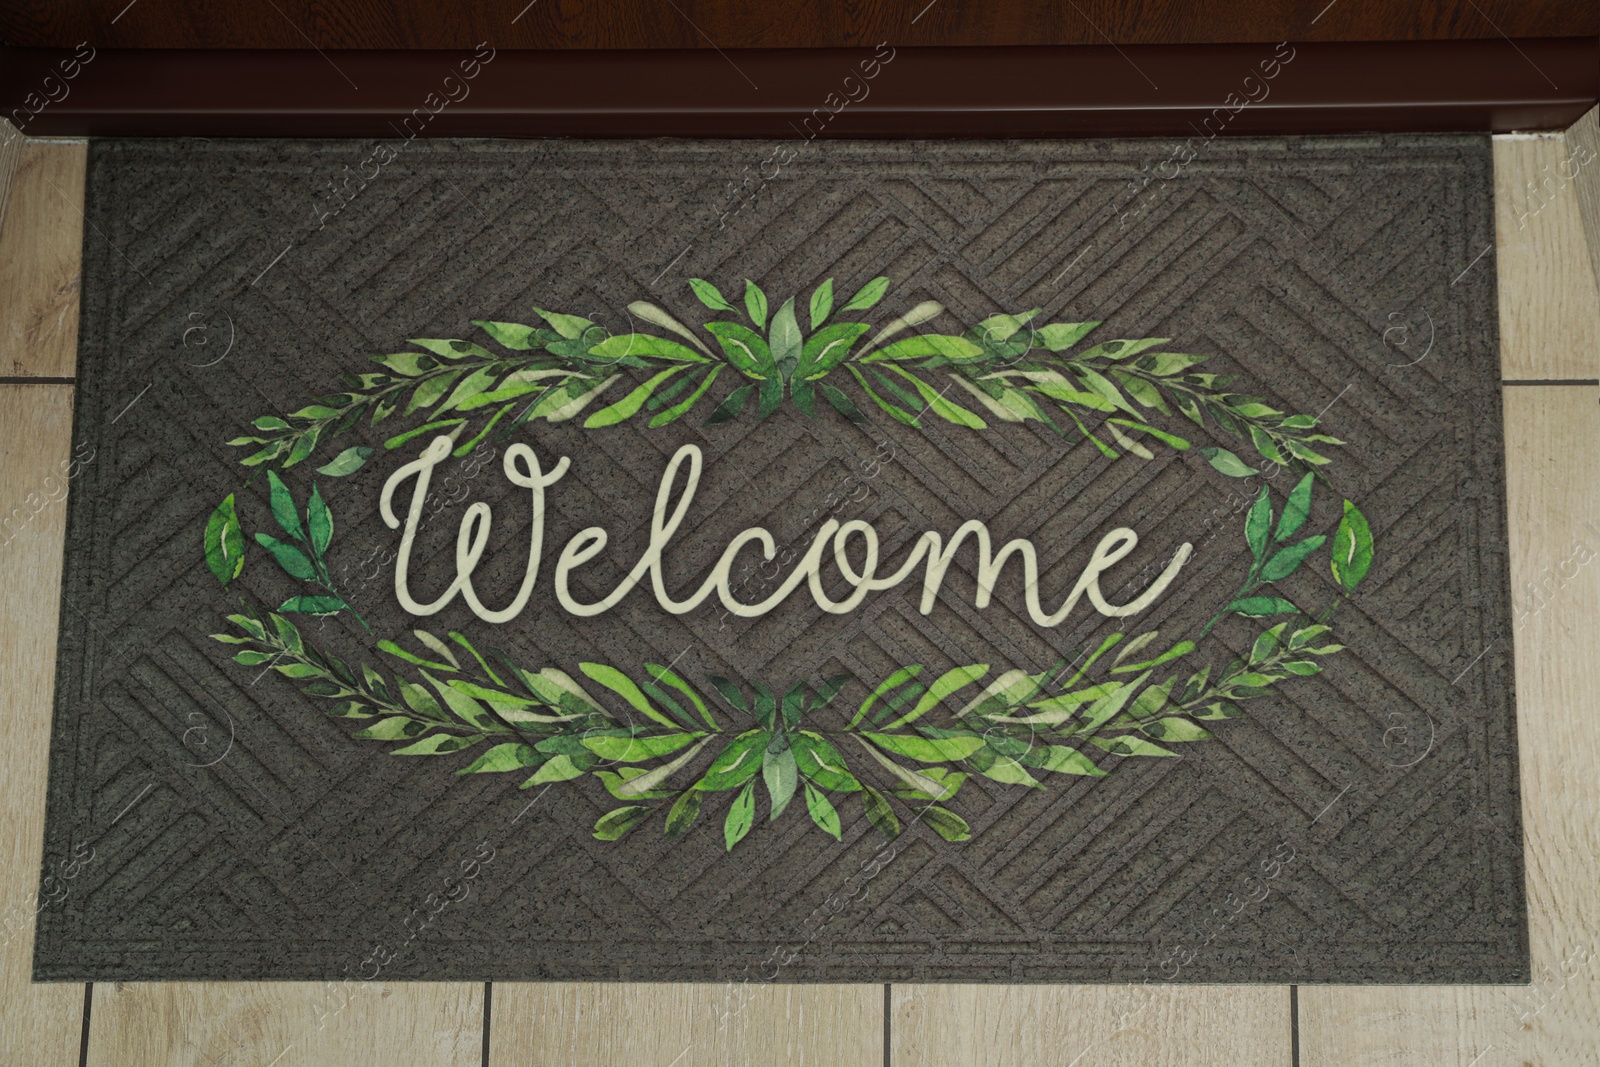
852,562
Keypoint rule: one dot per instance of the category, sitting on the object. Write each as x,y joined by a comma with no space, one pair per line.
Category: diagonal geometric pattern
1358,825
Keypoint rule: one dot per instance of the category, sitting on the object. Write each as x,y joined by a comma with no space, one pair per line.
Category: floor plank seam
1550,381
888,1024
83,1041
488,1003
1294,1026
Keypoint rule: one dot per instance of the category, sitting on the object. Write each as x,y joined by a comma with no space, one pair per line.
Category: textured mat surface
1273,361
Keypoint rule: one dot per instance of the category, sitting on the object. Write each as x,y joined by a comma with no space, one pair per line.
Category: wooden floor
1550,336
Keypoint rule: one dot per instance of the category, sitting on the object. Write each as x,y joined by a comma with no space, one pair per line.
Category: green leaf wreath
1006,368
658,743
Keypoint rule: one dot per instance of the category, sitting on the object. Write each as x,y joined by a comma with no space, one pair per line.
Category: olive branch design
1005,368
655,742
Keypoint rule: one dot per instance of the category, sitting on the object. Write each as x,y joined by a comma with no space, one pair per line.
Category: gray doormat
1229,700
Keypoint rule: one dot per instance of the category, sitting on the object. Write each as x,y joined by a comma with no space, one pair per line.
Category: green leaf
622,346
684,811
880,814
747,350
821,308
1257,607
449,348
512,335
926,345
779,772
822,811
1296,510
314,605
1176,729
927,749
894,681
1303,668
427,428
947,824
841,403
755,302
1258,524
319,523
283,508
636,749
1107,707
737,763
1301,638
682,407
569,326
784,338
347,462
437,745
399,653
1173,440
665,676
867,295
730,408
224,543
1265,643
559,768
794,702
766,709
1129,746
820,762
394,728
1122,349
1003,769
827,348
947,683
270,422
431,390
623,686
741,815
1062,760
1287,560
1182,648
409,364
421,701
730,693
472,388
1352,549
709,295
945,409
617,784
290,558
1059,336
624,408
510,756
618,821
1226,462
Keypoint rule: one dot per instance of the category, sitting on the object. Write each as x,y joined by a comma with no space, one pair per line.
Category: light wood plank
287,1024
10,151
1549,302
38,1023
1584,136
1553,452
1104,1026
727,1025
41,243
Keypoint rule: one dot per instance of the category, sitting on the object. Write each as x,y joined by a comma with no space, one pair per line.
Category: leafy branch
1005,368
303,556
